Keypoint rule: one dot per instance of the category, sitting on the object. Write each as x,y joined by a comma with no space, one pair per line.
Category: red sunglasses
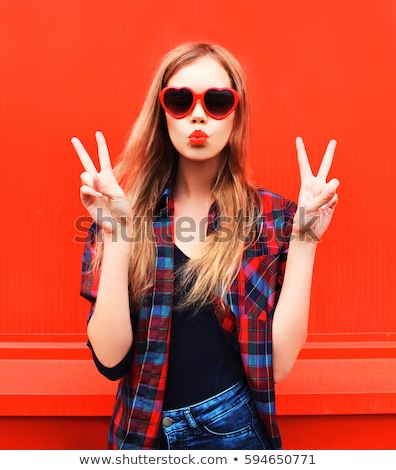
217,102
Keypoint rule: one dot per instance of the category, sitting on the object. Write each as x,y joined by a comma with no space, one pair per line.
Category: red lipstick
197,138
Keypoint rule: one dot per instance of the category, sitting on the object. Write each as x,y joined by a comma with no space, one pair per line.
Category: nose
198,113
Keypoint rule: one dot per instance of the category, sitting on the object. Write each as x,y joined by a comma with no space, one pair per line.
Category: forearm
110,330
290,324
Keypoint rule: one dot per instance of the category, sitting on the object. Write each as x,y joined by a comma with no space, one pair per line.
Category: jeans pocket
237,428
232,422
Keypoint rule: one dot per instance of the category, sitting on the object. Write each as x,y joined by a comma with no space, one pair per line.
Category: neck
194,178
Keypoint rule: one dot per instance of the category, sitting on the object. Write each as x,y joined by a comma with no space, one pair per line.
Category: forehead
200,75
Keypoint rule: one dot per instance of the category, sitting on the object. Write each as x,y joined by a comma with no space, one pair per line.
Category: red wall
317,69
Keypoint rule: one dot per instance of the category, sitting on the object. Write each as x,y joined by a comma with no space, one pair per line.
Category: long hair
149,160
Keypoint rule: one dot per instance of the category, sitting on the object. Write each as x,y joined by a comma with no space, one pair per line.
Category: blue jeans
227,420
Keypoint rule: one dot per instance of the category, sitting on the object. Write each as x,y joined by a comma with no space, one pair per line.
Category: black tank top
202,361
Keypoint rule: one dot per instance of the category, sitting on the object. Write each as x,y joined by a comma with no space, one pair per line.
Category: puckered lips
198,137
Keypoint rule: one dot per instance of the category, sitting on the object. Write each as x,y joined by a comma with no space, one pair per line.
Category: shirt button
166,422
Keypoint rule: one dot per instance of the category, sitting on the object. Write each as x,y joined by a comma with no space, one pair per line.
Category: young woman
194,308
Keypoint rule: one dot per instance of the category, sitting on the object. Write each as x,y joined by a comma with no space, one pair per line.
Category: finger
89,191
87,179
333,184
302,157
327,160
97,183
104,157
329,195
324,198
332,203
83,155
93,181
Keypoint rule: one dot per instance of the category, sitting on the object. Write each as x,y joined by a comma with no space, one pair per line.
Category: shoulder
276,205
275,215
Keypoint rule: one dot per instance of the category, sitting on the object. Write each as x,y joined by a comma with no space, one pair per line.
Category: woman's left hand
317,199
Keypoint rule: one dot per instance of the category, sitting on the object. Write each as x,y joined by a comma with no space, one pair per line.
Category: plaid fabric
247,322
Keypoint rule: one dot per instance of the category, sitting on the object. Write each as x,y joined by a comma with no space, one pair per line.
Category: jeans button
166,422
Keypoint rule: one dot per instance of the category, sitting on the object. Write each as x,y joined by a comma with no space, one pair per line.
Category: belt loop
191,421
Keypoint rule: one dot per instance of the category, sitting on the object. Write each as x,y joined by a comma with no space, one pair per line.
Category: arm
317,201
109,329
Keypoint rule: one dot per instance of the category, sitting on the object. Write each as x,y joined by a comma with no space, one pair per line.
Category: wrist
305,236
118,233
304,241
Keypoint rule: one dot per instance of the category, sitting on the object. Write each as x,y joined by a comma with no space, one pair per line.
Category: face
213,134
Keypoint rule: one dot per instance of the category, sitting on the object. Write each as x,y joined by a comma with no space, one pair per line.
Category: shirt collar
164,206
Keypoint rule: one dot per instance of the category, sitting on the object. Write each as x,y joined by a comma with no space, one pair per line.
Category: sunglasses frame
198,96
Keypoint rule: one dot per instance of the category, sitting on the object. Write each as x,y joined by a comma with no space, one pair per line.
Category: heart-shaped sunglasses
217,102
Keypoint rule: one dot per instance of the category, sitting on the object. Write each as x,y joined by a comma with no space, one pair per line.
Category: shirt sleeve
89,276
289,211
116,372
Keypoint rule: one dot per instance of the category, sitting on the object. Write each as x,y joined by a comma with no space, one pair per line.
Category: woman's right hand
100,192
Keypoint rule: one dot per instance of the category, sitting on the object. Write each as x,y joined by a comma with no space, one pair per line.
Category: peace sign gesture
100,192
317,198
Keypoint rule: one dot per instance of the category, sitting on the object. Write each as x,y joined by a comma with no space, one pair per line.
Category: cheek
174,130
226,128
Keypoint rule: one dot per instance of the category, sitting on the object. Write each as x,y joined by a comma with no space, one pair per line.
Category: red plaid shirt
247,320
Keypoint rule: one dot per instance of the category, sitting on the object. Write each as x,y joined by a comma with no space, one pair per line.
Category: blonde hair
149,161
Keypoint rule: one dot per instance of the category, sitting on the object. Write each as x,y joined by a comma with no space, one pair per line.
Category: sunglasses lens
219,102
178,102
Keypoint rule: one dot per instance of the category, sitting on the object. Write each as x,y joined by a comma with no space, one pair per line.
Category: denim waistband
189,416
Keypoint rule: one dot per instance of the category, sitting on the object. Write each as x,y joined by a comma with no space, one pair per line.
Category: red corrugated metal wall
317,69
